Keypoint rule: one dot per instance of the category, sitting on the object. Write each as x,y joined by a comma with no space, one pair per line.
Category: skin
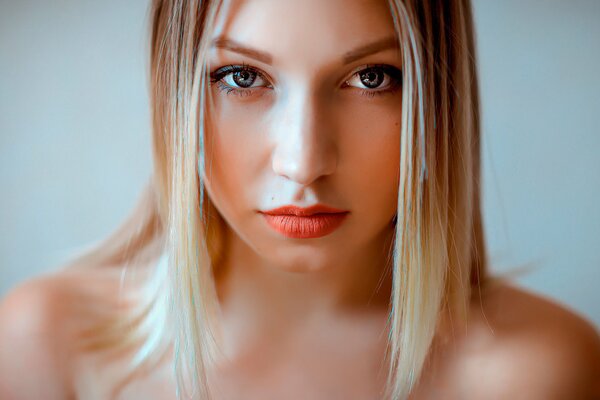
303,318
304,133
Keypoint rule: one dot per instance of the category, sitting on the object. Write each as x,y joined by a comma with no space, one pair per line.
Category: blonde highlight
438,253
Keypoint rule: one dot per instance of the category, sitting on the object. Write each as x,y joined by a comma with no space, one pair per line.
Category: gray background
75,142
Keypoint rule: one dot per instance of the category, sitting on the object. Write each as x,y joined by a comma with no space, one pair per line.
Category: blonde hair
439,249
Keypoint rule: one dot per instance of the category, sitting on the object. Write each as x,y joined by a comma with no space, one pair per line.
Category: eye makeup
236,72
378,73
238,79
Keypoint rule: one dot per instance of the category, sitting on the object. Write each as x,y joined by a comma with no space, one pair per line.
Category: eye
238,79
376,79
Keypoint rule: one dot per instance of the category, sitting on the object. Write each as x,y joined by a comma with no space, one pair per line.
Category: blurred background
75,135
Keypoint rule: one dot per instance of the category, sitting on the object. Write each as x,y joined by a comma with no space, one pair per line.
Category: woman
313,229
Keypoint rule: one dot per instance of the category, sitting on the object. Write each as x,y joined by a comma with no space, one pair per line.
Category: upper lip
300,211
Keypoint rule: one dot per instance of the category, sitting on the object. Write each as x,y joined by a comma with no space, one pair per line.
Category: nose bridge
304,148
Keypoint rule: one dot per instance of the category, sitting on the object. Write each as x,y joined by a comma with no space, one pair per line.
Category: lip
303,212
305,223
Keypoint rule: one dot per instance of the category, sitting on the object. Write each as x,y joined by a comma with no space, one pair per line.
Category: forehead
314,30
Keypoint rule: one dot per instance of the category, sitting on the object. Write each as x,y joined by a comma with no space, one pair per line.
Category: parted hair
438,256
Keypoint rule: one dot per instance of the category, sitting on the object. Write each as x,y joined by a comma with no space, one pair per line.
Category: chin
301,260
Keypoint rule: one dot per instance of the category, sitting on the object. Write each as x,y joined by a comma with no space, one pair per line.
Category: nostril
306,163
303,172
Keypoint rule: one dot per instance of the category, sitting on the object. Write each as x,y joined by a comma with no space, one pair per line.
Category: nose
304,147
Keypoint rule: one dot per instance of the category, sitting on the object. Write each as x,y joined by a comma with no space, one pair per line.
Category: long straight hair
439,253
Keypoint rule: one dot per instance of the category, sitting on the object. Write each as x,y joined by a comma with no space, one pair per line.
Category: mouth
305,223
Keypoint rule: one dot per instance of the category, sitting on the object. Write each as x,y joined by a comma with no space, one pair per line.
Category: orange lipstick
305,223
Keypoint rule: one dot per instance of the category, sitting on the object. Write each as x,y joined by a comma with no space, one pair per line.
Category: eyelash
217,76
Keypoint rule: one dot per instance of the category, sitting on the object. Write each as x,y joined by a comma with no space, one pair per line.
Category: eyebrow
266,58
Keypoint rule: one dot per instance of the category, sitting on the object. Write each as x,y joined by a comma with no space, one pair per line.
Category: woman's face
307,105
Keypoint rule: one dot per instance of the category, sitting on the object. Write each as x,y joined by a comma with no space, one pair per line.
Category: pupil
371,79
244,78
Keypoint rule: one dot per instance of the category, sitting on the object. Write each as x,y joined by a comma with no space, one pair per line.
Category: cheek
234,150
372,145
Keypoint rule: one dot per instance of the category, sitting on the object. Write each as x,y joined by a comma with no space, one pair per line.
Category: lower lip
307,227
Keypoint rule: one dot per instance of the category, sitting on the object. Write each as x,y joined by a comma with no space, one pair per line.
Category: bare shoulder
524,345
33,357
39,320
